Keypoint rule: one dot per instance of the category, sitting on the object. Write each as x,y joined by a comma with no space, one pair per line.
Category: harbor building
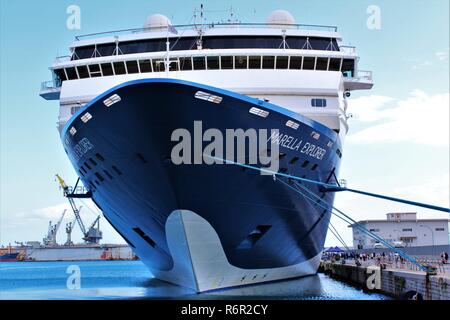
403,229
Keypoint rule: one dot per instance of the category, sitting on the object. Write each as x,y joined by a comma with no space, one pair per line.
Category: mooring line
334,188
338,236
347,218
350,220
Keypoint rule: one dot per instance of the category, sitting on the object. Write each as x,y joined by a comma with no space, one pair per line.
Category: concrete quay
397,283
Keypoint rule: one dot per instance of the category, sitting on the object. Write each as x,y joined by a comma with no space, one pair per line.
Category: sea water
132,280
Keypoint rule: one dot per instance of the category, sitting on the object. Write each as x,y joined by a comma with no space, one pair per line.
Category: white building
403,229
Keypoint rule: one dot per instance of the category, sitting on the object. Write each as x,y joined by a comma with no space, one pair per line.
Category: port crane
50,238
69,229
93,234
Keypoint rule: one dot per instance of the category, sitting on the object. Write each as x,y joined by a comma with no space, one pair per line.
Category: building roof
398,221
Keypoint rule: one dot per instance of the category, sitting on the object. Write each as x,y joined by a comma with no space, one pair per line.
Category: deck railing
364,75
208,26
50,86
62,59
347,49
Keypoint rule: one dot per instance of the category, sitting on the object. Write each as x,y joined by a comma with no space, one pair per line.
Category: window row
321,103
208,42
347,66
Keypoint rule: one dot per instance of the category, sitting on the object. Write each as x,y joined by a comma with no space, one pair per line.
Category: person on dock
444,257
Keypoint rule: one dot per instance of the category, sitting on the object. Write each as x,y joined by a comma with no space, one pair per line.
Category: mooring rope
338,236
340,214
334,188
349,220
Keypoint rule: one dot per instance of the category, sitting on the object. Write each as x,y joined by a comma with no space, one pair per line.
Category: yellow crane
93,234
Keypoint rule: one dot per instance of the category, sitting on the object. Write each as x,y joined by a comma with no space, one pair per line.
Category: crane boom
75,210
59,222
93,234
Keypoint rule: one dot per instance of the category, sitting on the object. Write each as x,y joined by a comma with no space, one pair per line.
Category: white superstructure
302,68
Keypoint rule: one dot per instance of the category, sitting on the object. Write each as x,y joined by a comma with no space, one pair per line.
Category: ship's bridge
161,47
304,68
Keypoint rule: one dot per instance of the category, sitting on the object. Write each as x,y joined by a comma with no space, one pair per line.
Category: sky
398,143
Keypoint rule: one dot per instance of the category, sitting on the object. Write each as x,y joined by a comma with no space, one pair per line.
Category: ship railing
347,49
359,75
208,26
62,59
50,86
364,75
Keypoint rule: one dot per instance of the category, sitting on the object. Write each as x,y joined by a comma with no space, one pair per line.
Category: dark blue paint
135,136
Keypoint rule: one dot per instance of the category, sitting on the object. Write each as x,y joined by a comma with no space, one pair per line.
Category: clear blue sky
409,53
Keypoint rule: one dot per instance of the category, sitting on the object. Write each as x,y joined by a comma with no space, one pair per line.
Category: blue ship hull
122,155
9,257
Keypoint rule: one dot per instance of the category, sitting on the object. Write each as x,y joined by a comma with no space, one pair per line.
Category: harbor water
132,280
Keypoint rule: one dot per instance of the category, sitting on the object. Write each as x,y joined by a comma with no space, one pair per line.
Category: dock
400,281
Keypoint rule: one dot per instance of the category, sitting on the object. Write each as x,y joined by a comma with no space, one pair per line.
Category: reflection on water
132,280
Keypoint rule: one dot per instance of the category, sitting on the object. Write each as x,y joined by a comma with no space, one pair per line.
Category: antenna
200,31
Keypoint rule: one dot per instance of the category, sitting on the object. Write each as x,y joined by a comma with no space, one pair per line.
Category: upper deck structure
279,60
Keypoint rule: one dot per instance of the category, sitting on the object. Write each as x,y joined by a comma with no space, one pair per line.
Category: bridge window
322,64
106,49
226,62
186,63
308,63
107,69
132,67
71,73
209,63
94,70
295,63
254,62
83,72
159,66
319,103
240,62
173,65
119,67
268,62
348,67
199,63
335,64
407,229
282,62
209,42
212,63
60,74
145,65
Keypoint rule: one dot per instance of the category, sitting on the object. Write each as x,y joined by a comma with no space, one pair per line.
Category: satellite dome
281,18
157,21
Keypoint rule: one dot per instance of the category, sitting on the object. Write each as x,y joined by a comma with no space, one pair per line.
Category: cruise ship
122,94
